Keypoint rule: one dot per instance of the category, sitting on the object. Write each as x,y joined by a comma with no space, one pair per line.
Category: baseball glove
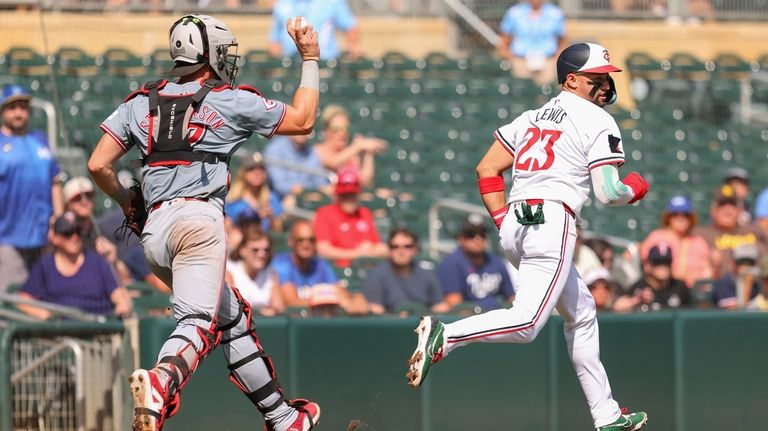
136,217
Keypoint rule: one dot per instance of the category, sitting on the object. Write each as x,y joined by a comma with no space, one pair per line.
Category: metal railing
64,376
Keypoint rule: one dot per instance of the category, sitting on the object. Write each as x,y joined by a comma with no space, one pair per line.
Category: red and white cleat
148,401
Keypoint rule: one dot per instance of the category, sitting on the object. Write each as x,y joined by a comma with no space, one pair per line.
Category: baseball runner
553,151
185,132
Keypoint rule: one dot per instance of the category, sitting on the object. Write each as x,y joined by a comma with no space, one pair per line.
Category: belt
157,205
541,201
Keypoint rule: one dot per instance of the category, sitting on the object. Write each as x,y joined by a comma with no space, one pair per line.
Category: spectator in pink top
690,252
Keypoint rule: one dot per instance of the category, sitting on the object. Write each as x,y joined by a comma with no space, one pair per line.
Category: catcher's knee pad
180,366
241,333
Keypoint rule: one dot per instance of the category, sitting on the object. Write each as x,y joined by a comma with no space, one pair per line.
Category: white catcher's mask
197,40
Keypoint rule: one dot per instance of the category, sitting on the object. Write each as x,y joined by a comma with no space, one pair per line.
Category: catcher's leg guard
193,339
251,369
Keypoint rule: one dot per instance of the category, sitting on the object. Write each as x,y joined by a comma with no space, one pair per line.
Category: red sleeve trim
279,122
504,142
618,162
109,132
249,89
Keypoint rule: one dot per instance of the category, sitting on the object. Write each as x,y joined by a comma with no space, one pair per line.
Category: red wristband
490,184
499,214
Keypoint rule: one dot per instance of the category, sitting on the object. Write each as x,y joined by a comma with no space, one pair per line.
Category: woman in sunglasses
250,272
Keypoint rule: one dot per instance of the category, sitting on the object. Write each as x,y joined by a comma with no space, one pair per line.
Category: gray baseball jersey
225,119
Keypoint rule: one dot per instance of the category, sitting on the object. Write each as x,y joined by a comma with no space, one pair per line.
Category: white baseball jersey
556,145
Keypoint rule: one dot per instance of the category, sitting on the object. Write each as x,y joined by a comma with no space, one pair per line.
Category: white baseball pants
547,279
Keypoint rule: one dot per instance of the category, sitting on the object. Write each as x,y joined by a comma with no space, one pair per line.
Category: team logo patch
613,144
606,56
269,104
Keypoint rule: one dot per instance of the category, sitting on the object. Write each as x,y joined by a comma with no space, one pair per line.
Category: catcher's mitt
136,217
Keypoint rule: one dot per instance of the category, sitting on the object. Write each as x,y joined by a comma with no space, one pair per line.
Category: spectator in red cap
690,252
345,229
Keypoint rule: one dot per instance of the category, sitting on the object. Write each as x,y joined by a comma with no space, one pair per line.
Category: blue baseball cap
15,92
679,204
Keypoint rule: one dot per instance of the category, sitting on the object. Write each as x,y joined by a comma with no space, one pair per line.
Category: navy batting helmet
586,57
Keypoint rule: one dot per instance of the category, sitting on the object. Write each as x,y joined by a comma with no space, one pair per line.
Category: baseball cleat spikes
429,350
147,401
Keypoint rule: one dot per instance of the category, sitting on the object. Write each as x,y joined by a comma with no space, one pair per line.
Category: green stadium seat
685,65
70,60
258,63
729,65
121,62
357,67
395,64
644,65
26,61
439,65
158,62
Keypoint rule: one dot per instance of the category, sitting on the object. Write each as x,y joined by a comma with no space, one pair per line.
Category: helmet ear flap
611,95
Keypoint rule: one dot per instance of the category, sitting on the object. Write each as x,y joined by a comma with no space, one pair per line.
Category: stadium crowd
60,252
51,239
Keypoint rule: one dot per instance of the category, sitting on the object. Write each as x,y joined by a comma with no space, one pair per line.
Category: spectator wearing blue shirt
30,192
74,277
303,276
250,193
472,274
532,35
293,150
325,16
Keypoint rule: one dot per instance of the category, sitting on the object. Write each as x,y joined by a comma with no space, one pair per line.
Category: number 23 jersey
556,146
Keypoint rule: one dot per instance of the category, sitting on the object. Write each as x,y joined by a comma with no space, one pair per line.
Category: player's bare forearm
300,117
101,165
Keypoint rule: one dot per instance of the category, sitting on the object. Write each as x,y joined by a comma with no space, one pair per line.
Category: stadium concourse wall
699,370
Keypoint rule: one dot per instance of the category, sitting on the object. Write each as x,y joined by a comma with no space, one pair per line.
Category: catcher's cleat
307,419
148,401
429,349
627,422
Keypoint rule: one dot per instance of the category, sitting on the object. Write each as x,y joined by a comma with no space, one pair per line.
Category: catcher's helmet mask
183,44
588,58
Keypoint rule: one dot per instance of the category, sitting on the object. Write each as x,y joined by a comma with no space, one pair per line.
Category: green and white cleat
429,349
627,422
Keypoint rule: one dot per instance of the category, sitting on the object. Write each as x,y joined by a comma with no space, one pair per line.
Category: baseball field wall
696,370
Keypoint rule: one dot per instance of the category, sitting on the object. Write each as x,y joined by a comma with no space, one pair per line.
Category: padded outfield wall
693,370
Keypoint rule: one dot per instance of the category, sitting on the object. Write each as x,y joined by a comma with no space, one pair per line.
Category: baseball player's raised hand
637,183
305,38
